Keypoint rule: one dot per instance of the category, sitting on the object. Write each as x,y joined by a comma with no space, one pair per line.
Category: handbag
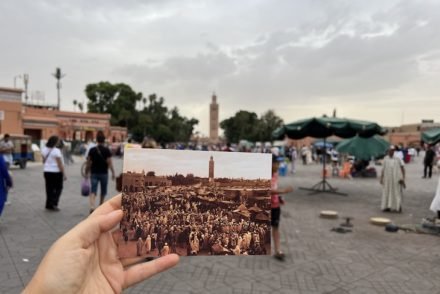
85,187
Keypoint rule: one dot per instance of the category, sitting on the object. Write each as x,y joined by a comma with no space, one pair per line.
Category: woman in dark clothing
5,183
53,172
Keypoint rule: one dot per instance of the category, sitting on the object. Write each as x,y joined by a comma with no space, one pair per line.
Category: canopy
364,148
431,136
324,127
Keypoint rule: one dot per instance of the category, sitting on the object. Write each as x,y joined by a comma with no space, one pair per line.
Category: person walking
6,149
5,183
393,181
428,161
293,156
435,204
98,162
276,202
54,173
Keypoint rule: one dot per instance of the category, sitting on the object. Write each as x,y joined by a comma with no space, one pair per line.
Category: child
276,200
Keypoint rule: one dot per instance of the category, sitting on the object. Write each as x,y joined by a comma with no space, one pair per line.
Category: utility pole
26,82
58,76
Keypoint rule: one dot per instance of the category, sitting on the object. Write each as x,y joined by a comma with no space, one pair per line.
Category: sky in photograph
226,164
376,60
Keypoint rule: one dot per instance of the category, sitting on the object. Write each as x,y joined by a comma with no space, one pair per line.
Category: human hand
85,259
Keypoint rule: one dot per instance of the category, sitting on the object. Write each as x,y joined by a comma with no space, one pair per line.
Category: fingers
140,272
108,206
89,230
131,261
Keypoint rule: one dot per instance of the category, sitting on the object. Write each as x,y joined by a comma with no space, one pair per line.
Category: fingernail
114,213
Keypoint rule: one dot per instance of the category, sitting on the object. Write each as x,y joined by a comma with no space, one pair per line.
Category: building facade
213,119
41,122
409,135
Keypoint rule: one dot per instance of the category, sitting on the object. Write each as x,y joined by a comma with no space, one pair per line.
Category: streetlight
15,81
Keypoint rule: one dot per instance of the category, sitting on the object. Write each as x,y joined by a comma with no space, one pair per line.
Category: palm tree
81,106
74,104
144,100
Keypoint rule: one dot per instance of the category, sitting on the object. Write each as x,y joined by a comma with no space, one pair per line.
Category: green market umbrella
364,148
323,127
431,136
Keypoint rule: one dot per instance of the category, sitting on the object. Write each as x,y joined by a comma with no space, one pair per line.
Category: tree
245,125
74,104
81,106
119,100
101,97
154,120
242,126
269,121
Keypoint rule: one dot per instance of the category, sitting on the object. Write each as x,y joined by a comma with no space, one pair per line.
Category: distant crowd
161,224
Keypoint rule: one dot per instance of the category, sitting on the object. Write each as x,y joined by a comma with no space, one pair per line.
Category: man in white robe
435,205
148,244
393,181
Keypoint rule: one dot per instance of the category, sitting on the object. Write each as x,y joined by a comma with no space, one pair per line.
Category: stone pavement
369,260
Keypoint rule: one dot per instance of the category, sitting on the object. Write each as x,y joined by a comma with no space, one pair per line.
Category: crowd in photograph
160,223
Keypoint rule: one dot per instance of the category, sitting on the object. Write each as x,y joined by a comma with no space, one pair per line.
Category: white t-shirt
7,155
51,163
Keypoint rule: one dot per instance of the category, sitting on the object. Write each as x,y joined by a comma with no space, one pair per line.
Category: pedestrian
428,161
392,180
5,183
139,247
304,154
54,173
165,250
293,156
84,261
99,161
435,204
6,149
276,201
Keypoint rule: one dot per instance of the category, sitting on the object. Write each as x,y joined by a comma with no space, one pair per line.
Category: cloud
301,58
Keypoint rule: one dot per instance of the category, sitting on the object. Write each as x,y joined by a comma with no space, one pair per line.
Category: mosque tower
213,119
211,170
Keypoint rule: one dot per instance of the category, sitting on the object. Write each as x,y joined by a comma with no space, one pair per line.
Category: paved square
368,260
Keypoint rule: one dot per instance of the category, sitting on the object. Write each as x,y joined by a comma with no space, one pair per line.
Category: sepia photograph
195,203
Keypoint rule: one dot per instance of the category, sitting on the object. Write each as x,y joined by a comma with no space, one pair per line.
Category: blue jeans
95,179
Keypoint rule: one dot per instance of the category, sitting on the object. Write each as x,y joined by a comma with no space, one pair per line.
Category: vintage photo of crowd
189,214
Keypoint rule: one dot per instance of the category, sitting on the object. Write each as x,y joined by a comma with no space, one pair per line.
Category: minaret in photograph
213,119
211,170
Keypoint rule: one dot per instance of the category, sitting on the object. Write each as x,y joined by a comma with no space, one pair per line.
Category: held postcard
195,203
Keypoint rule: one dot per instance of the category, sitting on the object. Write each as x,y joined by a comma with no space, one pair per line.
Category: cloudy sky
376,60
226,164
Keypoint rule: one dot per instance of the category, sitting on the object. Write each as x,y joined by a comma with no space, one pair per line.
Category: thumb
90,229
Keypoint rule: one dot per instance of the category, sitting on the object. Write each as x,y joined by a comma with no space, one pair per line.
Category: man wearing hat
392,180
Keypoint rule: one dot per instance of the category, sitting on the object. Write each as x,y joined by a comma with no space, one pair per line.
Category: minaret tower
211,170
213,119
